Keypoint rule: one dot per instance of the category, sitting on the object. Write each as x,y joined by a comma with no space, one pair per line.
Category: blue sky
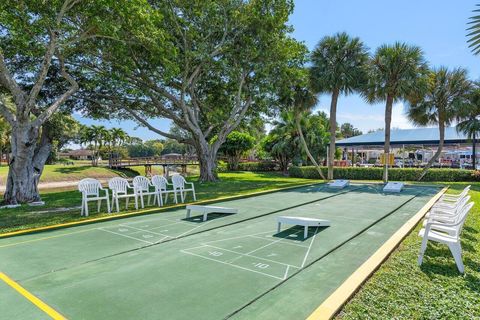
437,26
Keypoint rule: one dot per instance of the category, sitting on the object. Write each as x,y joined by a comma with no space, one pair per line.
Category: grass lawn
402,290
80,170
231,184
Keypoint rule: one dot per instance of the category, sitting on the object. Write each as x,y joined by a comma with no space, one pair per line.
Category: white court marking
124,235
232,265
249,254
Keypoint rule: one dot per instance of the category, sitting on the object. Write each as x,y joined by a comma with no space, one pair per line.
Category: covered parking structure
457,144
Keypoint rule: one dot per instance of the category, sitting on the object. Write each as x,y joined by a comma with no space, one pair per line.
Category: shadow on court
296,233
211,216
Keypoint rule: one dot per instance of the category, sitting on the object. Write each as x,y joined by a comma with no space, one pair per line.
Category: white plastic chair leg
86,207
422,249
108,204
136,202
141,201
99,204
456,251
117,206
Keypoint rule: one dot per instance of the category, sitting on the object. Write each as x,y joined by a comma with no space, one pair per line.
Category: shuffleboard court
230,266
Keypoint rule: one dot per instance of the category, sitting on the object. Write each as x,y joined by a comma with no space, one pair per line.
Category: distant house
80,154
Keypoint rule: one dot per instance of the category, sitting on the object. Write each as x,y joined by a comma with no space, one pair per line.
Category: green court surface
163,266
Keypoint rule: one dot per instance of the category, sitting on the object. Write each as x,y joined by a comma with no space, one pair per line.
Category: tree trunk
474,151
305,146
207,158
333,131
386,145
441,128
26,164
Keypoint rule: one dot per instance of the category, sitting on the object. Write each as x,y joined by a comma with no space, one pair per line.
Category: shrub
399,174
257,166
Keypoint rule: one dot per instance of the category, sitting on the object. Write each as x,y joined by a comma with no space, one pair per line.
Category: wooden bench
205,210
302,221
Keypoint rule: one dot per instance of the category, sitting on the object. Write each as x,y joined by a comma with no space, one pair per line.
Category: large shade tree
338,67
37,40
446,93
218,64
397,73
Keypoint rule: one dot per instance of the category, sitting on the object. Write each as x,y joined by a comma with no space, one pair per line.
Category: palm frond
474,34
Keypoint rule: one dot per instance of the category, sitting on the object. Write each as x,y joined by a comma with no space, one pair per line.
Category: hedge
251,166
399,174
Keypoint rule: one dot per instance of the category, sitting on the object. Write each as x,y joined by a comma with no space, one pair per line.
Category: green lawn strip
402,290
60,172
231,184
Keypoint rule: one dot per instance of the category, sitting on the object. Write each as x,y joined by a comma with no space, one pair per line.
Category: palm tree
397,72
446,94
304,100
338,67
96,137
474,34
118,137
469,121
282,141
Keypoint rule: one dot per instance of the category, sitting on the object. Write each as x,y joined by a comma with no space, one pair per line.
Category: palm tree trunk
386,145
333,131
305,146
441,128
474,151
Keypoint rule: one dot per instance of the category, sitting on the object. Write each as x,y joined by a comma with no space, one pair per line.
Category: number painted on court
261,265
215,253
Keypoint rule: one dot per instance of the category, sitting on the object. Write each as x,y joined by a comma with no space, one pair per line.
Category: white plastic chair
161,186
119,187
446,233
90,189
141,187
179,183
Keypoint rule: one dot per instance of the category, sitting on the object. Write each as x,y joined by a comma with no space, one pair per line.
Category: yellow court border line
148,211
329,308
30,297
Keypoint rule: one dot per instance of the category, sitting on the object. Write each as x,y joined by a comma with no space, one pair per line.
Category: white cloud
399,119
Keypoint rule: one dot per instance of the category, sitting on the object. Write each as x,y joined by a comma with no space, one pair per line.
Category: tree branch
45,115
7,81
5,112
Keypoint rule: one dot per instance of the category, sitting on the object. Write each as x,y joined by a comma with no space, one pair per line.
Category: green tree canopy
205,65
236,144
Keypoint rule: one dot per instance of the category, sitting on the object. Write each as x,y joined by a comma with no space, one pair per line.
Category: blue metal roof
405,136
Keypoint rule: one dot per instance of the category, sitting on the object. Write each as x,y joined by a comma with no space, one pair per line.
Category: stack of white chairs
143,187
444,223
180,186
120,187
90,189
